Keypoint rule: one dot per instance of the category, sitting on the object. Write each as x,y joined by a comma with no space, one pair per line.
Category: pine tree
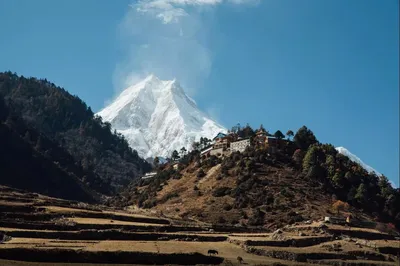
385,187
156,162
310,159
304,138
289,134
361,193
183,151
175,155
279,135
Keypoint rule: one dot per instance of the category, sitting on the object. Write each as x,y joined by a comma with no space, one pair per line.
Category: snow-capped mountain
157,117
354,158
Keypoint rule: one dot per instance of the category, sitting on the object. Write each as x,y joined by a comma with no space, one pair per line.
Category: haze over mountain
157,117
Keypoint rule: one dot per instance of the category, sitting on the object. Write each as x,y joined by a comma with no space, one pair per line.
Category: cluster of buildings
224,144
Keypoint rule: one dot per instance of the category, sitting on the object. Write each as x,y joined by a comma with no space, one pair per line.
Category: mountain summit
157,117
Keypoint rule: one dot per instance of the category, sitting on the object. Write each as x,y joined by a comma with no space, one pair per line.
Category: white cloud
240,2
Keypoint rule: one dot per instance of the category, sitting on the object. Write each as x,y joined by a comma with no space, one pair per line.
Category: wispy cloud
169,11
168,38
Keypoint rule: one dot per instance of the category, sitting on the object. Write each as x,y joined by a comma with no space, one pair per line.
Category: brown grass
225,249
95,221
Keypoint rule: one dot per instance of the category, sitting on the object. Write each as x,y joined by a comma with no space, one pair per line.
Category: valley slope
61,143
303,180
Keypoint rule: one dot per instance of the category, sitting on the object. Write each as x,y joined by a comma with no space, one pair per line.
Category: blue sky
331,65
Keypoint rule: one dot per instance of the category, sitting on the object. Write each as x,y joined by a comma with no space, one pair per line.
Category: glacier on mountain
157,117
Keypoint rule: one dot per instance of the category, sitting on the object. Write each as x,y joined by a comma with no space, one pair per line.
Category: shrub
340,206
169,196
221,191
236,156
227,207
177,176
149,204
221,220
257,218
201,173
277,202
213,161
386,228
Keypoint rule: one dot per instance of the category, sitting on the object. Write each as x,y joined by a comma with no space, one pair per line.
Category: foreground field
48,231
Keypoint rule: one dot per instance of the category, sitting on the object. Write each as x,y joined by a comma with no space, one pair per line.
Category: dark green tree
183,151
361,194
175,155
304,138
201,143
289,134
156,162
279,135
246,132
337,178
196,145
310,159
386,188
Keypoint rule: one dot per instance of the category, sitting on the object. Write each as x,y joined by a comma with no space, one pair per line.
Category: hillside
305,180
51,231
59,129
23,166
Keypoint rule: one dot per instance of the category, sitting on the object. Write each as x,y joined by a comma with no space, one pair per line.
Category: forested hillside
303,180
62,129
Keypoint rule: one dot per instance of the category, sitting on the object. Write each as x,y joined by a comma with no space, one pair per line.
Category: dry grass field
52,232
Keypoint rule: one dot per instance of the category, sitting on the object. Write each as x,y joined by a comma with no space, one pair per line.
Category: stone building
240,145
218,152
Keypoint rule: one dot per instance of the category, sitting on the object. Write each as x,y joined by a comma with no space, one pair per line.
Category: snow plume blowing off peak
169,38
157,117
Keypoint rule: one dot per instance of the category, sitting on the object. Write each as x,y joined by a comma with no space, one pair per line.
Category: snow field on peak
157,117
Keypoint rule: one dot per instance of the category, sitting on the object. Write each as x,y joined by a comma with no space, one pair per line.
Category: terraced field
49,231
